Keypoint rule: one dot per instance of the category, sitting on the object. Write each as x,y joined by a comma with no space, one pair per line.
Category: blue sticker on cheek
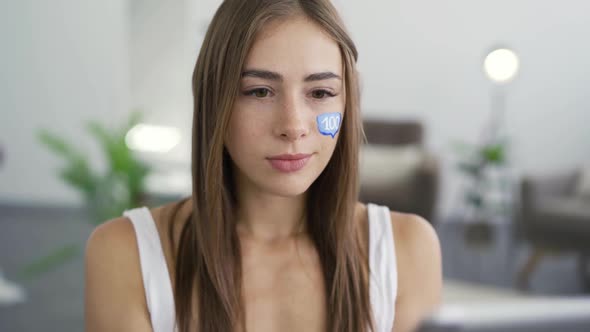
329,123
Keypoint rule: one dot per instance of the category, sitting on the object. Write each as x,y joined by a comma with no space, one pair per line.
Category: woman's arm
419,270
114,295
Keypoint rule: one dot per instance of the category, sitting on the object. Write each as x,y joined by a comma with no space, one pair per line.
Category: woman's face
292,75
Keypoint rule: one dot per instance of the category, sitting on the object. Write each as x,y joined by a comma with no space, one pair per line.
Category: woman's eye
258,93
321,94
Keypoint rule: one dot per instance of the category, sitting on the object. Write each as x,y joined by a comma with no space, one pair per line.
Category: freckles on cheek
250,128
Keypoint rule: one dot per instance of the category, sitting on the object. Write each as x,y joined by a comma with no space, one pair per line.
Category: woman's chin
288,188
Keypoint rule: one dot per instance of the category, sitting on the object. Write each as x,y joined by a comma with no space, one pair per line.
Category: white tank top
158,287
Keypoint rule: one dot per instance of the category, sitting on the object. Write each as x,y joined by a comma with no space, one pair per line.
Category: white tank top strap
156,279
382,262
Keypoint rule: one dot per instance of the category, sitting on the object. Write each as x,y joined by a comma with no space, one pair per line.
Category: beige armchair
396,170
555,217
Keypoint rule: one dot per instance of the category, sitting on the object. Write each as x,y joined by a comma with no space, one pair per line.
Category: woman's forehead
294,47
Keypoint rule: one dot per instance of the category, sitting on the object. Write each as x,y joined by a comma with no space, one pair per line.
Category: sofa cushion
570,214
384,165
565,206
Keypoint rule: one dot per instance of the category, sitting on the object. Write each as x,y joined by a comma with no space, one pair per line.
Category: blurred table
479,252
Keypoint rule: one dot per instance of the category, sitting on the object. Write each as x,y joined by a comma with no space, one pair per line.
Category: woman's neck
270,218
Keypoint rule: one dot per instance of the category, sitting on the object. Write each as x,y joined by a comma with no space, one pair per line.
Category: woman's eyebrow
273,76
263,74
322,76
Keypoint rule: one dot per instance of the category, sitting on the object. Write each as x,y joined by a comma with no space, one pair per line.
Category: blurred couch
396,170
555,216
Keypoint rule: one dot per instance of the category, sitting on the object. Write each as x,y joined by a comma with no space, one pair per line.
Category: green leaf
57,145
79,175
77,172
494,153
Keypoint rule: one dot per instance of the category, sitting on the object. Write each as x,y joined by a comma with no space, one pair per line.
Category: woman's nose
293,121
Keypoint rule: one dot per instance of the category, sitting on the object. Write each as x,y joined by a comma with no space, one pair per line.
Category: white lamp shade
501,65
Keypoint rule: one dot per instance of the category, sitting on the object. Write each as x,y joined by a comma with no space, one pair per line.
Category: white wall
162,57
62,63
419,59
423,59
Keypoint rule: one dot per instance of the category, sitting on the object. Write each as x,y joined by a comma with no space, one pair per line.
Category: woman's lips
288,163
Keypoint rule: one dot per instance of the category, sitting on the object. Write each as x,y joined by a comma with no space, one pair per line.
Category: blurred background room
476,113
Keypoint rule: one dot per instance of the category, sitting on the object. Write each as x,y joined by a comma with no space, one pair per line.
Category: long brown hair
208,261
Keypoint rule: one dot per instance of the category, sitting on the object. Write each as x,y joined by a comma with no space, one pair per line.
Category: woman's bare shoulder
418,256
415,236
113,241
118,235
412,233
408,229
114,296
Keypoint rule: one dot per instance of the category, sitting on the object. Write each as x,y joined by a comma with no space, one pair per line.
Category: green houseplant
484,167
106,195
475,163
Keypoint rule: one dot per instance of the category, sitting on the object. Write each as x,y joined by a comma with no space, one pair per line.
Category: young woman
273,237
